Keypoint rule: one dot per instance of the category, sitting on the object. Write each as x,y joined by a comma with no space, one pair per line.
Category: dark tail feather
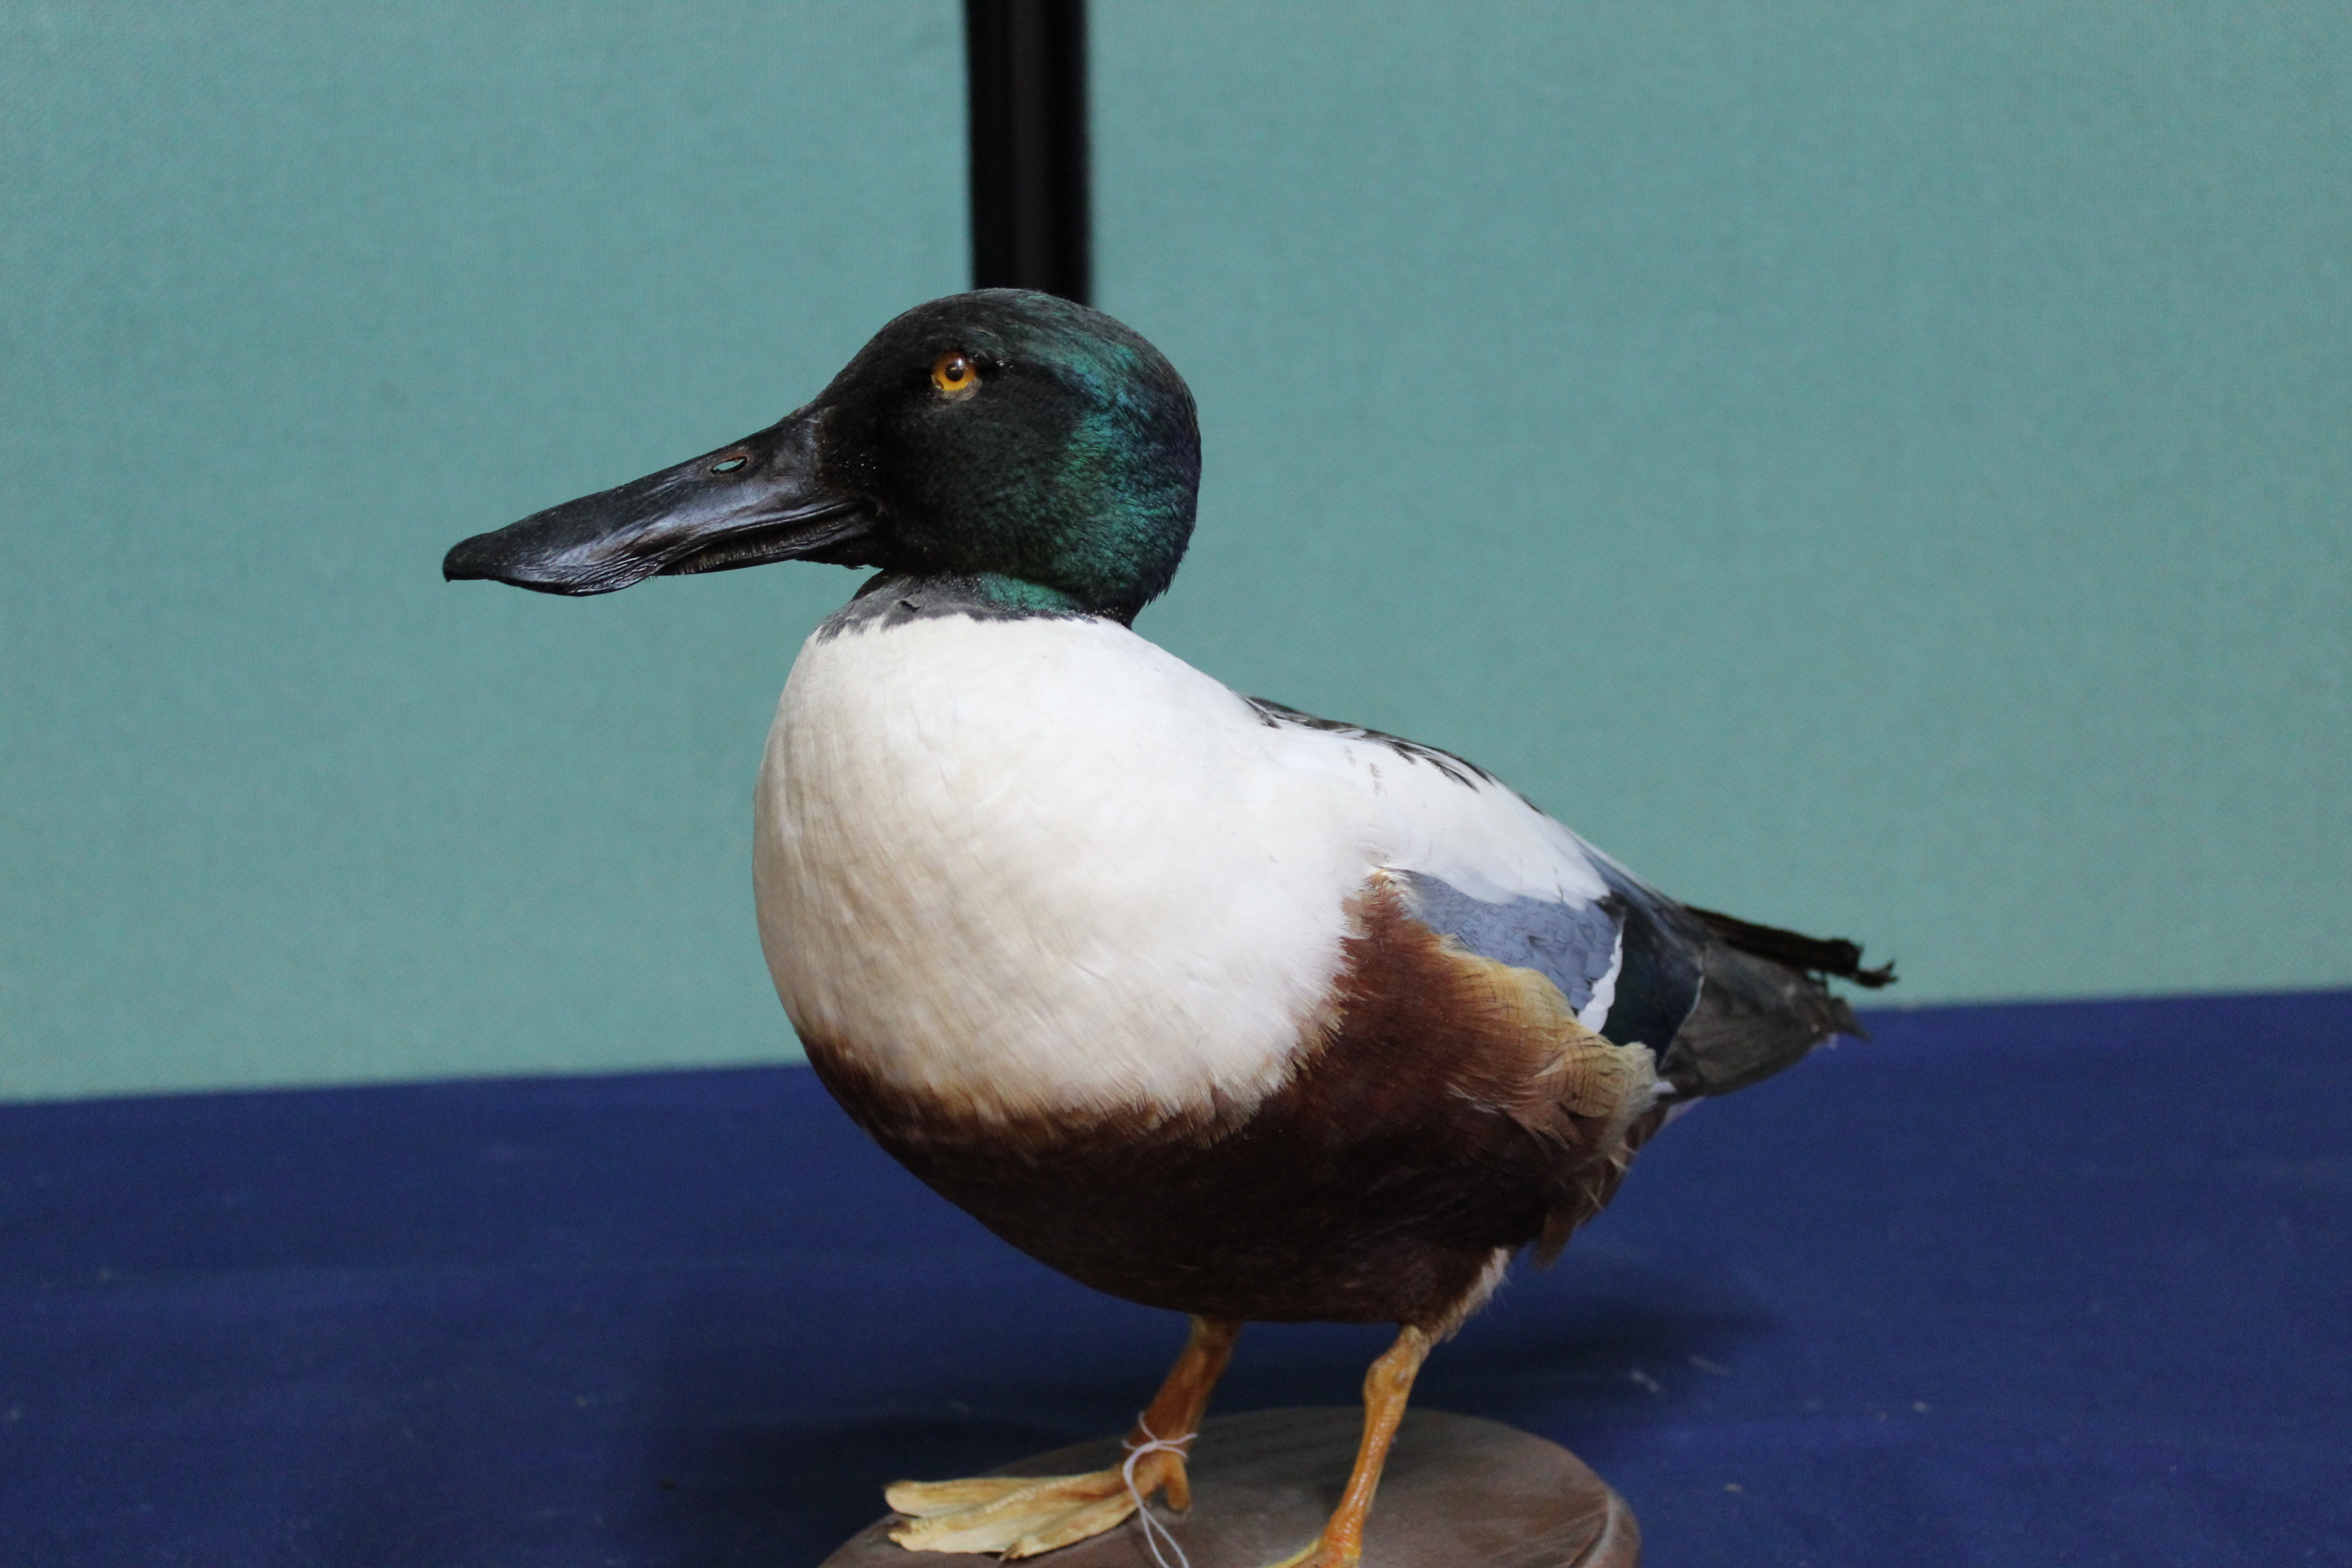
1764,1004
1833,956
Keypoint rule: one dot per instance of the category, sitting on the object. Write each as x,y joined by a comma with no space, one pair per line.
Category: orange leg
1175,1413
1387,1387
1020,1516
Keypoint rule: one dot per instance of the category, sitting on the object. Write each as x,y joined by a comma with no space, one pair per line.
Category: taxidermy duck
1204,1002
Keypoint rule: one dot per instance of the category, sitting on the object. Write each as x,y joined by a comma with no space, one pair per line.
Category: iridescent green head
1037,449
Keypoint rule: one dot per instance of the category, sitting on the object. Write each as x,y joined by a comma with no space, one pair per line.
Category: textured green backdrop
1878,467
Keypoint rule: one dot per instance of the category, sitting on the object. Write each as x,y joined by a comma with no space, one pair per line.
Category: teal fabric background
1876,468
294,297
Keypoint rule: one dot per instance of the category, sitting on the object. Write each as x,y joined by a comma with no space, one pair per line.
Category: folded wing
1723,1002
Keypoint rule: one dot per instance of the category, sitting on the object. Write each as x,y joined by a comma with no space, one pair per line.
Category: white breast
1042,866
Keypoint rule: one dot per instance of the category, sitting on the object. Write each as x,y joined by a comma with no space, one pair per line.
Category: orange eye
954,371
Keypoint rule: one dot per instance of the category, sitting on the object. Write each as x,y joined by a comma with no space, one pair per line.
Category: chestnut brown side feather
1447,1107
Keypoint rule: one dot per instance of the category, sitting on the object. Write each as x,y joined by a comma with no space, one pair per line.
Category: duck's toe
1318,1553
929,1500
1020,1516
1075,1525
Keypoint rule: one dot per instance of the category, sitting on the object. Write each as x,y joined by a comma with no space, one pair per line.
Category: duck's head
1017,439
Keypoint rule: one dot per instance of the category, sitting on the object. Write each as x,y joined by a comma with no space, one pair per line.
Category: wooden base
1457,1491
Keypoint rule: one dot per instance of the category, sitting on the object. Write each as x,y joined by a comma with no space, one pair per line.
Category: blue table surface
2045,1284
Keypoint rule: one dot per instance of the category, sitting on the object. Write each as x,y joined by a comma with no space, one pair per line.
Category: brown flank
1448,1106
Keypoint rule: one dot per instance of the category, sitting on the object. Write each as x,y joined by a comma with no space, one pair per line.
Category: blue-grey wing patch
1574,945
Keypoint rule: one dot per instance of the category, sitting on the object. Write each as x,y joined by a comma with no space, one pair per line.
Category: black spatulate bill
758,500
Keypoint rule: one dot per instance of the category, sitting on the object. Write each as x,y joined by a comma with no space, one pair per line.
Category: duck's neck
984,596
1015,595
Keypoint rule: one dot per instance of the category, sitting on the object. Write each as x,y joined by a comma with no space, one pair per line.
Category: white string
1154,1532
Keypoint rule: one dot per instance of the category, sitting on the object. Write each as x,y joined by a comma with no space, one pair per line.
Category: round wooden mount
1457,1491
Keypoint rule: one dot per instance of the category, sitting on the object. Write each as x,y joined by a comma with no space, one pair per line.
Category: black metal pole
1031,226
